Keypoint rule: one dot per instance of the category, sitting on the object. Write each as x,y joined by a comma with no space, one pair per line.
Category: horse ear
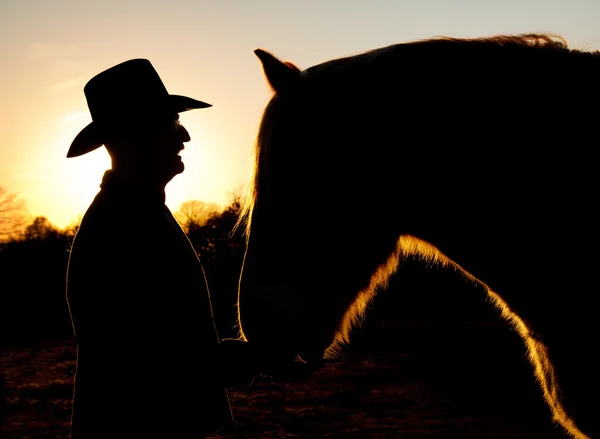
280,75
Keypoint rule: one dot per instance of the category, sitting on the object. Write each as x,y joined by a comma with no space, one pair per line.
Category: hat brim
89,138
183,103
86,141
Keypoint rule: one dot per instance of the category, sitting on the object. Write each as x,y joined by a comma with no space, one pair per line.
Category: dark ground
395,382
428,364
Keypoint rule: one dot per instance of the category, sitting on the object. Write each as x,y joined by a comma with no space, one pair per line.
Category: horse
475,154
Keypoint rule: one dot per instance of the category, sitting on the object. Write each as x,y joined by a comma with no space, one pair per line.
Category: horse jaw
274,318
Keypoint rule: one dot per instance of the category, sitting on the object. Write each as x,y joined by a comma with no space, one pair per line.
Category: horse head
302,270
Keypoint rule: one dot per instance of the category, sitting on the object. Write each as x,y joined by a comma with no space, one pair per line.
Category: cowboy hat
114,94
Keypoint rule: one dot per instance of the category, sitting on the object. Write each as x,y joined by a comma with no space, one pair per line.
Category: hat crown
114,93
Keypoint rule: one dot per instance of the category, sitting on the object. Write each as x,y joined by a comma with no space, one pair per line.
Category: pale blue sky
50,48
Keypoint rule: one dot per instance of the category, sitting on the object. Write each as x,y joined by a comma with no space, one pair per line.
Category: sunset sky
204,49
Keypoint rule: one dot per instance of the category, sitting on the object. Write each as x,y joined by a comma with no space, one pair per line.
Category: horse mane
547,42
535,40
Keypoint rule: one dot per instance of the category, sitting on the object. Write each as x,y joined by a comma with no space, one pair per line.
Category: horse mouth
311,359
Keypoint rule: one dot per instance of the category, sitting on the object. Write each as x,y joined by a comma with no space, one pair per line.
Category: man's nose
183,134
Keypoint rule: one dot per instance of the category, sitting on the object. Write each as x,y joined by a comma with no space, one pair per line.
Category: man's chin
178,166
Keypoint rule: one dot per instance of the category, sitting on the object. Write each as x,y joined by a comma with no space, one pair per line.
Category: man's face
161,144
170,142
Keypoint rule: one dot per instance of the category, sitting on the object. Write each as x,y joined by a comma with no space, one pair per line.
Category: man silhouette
149,361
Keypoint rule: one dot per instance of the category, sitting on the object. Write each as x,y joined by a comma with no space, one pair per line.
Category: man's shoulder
114,216
102,210
105,216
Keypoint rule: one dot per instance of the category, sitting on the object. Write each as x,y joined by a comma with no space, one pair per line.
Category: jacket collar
122,184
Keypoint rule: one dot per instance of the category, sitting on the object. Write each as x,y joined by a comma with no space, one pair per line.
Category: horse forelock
261,145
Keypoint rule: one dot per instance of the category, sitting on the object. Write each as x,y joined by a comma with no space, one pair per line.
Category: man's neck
134,183
140,176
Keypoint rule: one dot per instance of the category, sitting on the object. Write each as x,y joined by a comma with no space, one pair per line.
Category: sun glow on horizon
80,177
61,188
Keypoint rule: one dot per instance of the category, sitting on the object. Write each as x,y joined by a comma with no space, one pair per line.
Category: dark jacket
147,363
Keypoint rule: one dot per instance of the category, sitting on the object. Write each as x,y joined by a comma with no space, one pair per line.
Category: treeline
33,269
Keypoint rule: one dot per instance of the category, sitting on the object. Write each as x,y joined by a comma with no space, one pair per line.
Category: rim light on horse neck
471,153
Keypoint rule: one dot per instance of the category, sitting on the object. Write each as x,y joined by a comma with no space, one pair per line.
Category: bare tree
13,215
194,214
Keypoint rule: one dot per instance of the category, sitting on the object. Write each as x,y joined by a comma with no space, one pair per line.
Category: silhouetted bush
32,272
221,250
